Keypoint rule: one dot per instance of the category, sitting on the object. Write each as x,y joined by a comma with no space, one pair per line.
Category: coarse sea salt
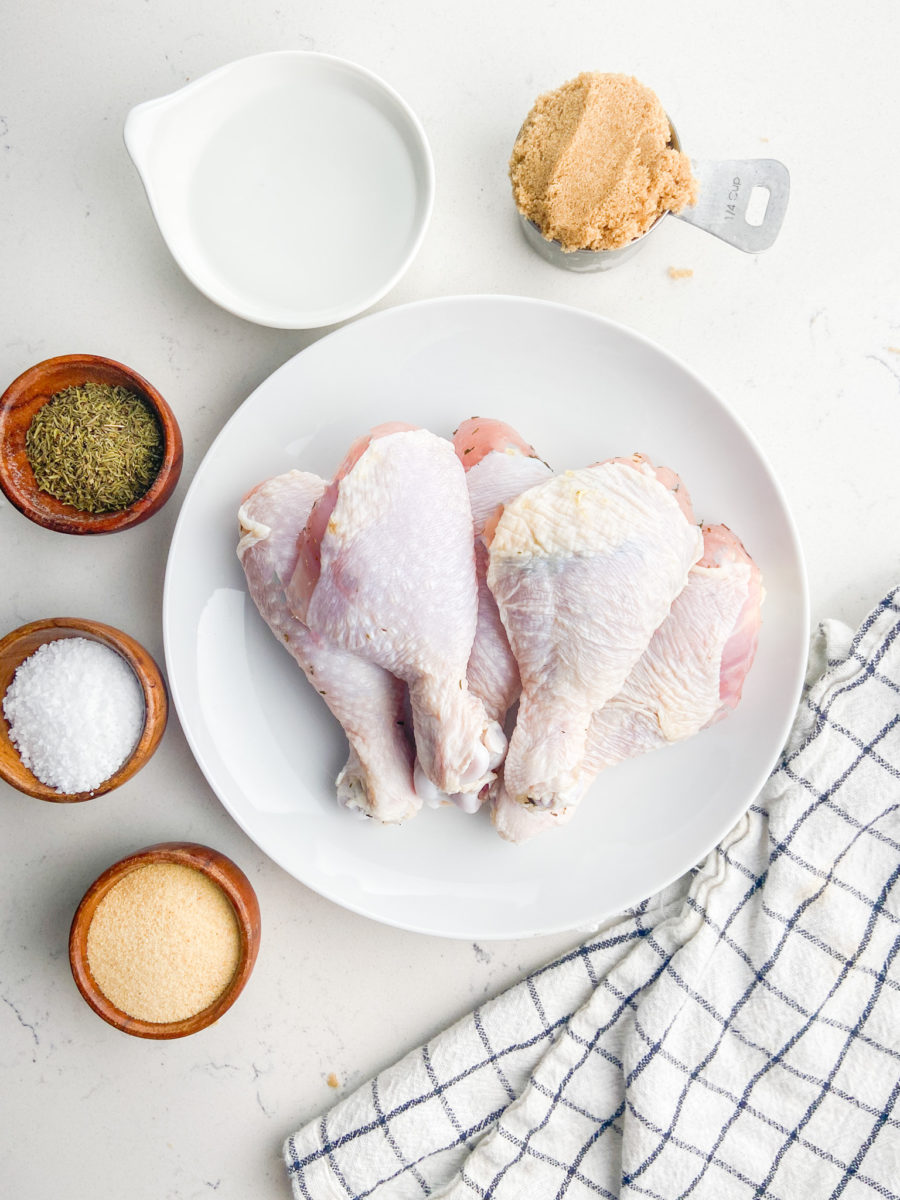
75,711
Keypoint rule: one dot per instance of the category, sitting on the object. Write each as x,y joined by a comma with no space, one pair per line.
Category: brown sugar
593,166
163,943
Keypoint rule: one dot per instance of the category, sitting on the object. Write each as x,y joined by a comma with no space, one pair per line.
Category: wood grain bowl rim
17,645
237,888
29,392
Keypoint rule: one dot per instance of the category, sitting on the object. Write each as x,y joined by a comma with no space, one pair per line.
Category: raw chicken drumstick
584,568
499,466
520,822
368,701
386,571
692,673
689,677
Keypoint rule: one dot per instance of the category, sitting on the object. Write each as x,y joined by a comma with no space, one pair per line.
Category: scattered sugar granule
75,711
163,943
681,272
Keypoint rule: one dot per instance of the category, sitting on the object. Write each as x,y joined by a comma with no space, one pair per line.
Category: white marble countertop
803,341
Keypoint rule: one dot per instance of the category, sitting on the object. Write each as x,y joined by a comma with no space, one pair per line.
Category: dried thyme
96,447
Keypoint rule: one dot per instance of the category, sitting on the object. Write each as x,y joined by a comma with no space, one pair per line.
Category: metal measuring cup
725,189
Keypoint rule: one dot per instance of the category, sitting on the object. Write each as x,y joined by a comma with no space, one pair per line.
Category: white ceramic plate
581,389
292,188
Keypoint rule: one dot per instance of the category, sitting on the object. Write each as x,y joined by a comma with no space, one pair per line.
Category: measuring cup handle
725,191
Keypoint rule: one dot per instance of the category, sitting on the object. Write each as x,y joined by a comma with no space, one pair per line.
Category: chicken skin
368,702
386,572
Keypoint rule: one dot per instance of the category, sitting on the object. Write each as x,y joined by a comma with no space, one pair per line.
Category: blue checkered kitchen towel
737,1035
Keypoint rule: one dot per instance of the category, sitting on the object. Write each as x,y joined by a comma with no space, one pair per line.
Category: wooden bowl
238,889
22,642
21,401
